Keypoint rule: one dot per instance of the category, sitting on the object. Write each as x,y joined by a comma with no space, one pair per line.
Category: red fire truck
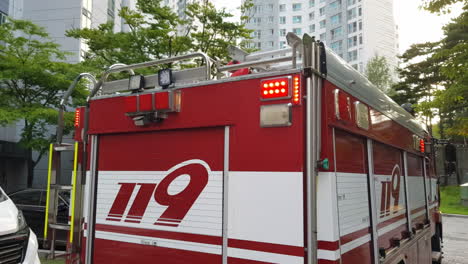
288,156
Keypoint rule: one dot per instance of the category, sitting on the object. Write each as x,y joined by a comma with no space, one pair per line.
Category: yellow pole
51,149
72,202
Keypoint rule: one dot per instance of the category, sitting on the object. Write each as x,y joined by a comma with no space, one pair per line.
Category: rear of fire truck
271,163
186,169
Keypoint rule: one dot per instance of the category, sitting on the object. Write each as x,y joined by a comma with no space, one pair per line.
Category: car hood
8,217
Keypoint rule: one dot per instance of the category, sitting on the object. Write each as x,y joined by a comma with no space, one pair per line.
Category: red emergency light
277,88
421,145
152,102
77,117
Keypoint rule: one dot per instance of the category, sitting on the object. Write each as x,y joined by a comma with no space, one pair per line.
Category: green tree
156,32
32,82
379,73
435,76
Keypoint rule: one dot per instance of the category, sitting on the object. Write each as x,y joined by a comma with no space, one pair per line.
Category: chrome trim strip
225,195
373,199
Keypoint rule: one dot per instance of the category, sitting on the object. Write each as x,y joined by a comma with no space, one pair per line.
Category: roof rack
288,58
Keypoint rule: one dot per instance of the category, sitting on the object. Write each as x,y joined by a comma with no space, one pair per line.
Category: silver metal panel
373,199
151,81
346,77
408,208
425,189
225,194
92,200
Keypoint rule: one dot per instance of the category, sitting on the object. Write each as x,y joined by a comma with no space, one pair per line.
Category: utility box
464,194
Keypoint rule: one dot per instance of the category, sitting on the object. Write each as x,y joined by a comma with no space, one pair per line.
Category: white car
18,243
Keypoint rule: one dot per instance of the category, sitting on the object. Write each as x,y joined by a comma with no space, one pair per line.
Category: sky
415,25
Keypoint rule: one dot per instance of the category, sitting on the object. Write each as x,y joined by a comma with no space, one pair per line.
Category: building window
110,10
336,19
282,32
297,19
322,11
270,44
311,16
360,11
282,8
258,8
352,55
336,5
360,39
257,34
282,20
282,44
272,31
259,45
323,36
351,13
2,18
323,23
337,46
312,28
296,6
311,3
352,27
351,2
360,25
271,19
352,42
323,1
270,7
336,33
257,20
297,31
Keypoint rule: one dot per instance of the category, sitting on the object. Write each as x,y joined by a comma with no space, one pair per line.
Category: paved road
455,240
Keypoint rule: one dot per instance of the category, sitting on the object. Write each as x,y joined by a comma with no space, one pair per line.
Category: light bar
277,88
422,145
296,90
77,117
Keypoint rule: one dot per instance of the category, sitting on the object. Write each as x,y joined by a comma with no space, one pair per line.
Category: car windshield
3,196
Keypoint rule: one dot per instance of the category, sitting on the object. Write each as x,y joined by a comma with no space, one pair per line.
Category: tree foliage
379,73
156,32
436,74
31,82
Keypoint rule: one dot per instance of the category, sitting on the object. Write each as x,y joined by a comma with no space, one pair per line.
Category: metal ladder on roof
75,222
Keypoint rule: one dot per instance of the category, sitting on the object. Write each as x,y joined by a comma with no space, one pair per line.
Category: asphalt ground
455,234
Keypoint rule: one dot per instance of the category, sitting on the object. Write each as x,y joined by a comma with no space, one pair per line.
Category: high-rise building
355,29
58,16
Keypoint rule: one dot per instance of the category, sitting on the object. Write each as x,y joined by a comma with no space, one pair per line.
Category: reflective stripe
51,148
75,165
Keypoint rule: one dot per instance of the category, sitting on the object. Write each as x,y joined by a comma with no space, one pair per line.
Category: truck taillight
77,117
277,88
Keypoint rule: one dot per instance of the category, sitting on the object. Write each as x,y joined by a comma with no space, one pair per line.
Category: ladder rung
60,187
64,147
60,226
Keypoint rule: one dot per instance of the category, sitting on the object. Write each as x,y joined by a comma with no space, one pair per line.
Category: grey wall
4,6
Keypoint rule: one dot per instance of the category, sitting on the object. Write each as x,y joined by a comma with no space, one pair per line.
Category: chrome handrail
64,100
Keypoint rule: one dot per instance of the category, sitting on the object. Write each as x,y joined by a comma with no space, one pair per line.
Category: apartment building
56,16
354,29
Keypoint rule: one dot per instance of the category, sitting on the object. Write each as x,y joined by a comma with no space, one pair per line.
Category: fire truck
286,156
